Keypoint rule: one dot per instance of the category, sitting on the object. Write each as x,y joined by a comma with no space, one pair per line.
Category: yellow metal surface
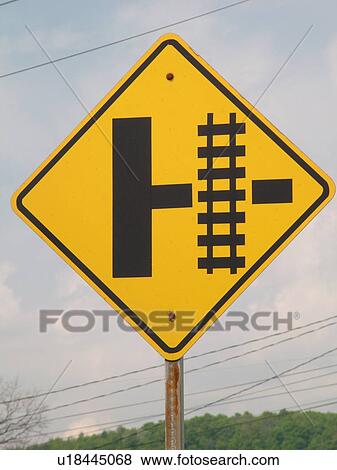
68,200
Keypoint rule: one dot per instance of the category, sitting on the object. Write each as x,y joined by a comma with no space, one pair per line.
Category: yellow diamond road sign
172,196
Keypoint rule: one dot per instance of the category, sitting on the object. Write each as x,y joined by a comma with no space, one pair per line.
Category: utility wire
218,401
203,392
145,384
146,417
120,41
291,369
104,395
247,397
310,406
8,2
84,384
308,379
251,341
275,376
261,348
272,395
159,366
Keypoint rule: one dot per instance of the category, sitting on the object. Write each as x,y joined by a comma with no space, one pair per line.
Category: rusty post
174,404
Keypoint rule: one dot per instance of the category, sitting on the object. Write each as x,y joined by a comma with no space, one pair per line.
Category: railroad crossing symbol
172,196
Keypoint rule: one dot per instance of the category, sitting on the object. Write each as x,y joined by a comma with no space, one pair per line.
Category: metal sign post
174,404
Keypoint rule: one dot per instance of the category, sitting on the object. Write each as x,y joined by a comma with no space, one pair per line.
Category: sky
247,45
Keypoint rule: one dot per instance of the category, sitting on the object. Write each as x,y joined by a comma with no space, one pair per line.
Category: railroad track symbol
232,173
263,192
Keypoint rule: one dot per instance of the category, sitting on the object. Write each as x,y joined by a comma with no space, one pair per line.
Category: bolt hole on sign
172,196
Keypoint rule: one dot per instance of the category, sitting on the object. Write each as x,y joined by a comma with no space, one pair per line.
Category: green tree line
283,430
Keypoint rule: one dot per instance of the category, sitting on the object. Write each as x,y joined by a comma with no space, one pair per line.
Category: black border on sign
132,315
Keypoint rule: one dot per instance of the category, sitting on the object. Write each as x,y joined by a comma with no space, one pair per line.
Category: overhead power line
202,392
161,415
262,382
251,396
212,403
254,396
8,2
128,38
320,404
84,384
261,348
268,379
275,387
272,335
159,366
151,382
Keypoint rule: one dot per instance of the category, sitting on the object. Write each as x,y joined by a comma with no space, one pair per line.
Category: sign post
174,404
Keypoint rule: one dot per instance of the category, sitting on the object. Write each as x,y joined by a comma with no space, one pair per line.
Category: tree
20,417
284,430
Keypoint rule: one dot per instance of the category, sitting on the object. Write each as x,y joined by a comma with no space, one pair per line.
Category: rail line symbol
232,172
